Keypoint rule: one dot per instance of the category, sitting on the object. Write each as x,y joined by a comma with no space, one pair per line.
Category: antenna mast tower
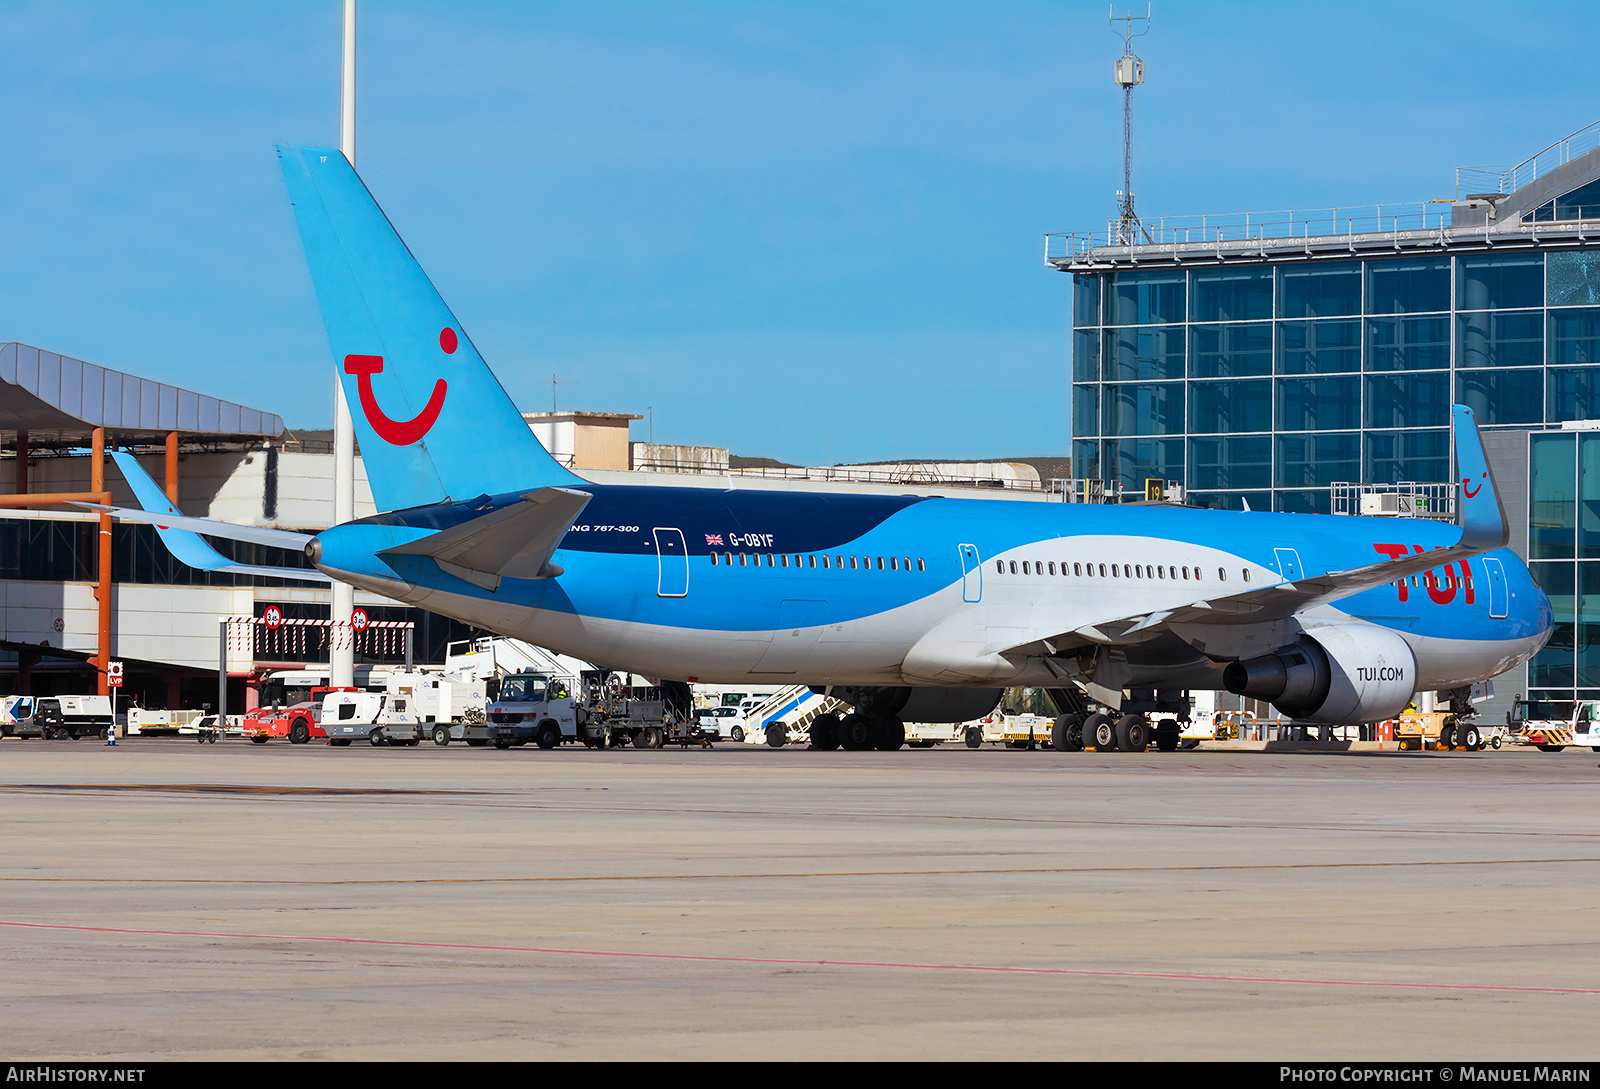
1129,73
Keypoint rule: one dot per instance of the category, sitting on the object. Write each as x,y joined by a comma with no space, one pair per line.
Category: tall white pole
341,660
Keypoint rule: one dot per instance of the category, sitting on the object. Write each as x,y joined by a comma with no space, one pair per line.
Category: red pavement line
790,961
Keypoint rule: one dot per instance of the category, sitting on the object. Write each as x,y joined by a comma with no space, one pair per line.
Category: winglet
1481,515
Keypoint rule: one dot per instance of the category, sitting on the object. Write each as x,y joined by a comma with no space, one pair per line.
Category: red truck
299,723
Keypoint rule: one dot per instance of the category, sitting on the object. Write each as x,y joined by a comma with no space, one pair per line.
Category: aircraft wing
515,541
181,534
1483,529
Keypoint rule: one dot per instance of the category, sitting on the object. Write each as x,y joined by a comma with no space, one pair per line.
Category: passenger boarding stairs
498,656
796,707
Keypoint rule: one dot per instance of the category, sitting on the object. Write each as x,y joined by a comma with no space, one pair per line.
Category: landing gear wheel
1133,733
1066,733
549,736
299,732
1469,738
1167,738
1447,736
855,733
1099,733
441,735
891,735
825,732
777,735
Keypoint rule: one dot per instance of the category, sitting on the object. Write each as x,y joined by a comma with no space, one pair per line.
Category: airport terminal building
1290,361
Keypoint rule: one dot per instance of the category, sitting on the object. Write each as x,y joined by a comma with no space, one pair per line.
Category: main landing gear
1099,732
857,732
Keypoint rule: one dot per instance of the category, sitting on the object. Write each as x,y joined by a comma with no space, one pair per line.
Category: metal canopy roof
57,399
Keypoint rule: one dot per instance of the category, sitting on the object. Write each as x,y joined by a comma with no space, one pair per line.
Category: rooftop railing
1249,226
1508,179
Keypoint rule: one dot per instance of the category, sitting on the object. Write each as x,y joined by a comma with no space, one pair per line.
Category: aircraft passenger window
1126,573
921,564
880,563
825,563
1000,567
1076,570
1102,570
1247,574
838,561
741,559
1116,572
852,563
1025,570
1052,567
1197,574
713,559
1222,573
1161,571
894,563
785,559
1138,570
727,559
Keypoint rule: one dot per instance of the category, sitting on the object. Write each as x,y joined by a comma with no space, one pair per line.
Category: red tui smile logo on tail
397,432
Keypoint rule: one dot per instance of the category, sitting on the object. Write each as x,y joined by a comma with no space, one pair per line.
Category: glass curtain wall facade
1564,556
1266,382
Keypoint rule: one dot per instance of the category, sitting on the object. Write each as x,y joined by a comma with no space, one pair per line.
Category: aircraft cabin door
1499,602
1288,563
672,563
971,573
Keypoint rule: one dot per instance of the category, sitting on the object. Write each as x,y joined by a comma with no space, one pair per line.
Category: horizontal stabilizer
514,542
181,534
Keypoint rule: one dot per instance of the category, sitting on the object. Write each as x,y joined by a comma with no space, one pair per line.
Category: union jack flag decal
713,538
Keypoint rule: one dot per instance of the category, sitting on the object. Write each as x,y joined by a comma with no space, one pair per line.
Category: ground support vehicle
61,716
381,718
925,735
447,708
300,723
534,707
800,714
1550,725
155,722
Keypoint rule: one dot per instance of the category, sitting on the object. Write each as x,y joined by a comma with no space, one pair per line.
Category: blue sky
809,231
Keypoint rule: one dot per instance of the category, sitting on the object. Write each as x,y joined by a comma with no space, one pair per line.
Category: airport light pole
341,652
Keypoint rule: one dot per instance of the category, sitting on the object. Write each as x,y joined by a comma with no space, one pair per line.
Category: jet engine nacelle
1343,673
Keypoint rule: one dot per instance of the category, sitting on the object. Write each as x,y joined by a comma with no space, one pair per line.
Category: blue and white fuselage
1330,619
904,590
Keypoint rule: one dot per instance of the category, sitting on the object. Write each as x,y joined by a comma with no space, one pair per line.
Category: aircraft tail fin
1481,514
433,422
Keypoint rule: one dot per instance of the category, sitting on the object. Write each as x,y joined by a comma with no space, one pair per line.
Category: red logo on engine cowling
393,432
